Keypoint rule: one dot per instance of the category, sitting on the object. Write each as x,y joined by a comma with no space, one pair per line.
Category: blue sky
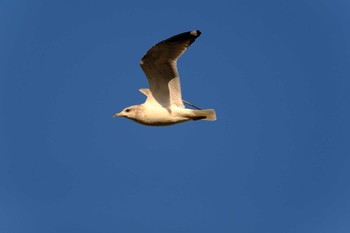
276,160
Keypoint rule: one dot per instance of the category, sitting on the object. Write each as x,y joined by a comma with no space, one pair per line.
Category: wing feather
160,66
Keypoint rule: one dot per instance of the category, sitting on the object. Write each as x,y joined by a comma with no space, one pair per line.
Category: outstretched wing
159,65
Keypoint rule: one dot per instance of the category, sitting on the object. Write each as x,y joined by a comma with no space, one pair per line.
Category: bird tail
207,114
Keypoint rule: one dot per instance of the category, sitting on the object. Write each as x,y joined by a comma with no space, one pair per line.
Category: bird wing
160,66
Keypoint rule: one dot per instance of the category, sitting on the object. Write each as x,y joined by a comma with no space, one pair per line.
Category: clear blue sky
276,160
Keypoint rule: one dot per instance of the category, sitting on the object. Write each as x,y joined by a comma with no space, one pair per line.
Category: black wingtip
190,36
195,33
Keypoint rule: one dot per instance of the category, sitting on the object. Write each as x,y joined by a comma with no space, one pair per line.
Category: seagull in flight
164,105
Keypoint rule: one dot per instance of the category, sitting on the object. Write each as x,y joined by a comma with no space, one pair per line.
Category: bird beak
117,115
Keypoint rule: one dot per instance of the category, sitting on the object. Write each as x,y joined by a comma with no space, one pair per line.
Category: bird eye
127,110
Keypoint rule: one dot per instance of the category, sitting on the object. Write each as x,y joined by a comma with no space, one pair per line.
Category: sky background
276,160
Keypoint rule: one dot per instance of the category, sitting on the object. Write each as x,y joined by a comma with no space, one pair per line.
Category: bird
164,105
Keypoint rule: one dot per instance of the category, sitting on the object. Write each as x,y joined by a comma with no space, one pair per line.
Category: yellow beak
117,114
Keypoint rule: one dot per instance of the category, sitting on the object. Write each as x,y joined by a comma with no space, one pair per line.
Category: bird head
129,112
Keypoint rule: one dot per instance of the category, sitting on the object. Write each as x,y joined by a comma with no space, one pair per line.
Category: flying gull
164,104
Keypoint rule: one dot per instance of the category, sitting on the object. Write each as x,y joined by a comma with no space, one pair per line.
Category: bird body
164,104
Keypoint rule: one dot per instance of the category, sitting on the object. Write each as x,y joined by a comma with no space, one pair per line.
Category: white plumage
164,104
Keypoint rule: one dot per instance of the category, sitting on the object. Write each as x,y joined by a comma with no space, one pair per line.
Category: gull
164,105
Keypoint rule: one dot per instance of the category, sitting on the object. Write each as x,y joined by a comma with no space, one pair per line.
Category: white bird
164,104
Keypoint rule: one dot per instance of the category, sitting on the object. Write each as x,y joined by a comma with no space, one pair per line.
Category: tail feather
207,114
